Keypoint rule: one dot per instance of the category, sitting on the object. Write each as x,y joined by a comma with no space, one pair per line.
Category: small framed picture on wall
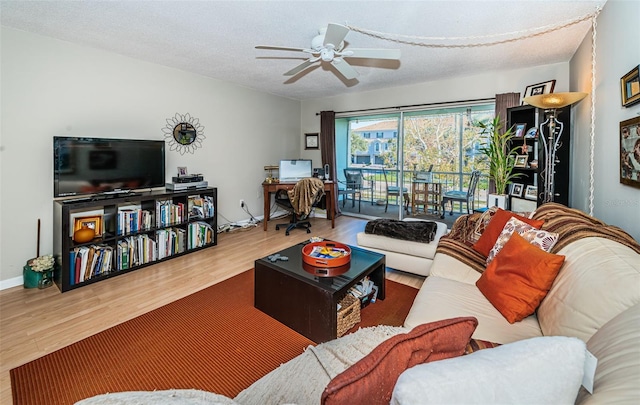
311,141
539,88
630,152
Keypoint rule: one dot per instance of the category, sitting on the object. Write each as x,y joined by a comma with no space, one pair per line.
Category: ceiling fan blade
345,69
335,34
301,67
371,53
281,48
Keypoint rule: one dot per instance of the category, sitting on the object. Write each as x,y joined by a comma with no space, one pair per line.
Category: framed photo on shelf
539,88
182,171
531,192
93,222
630,87
516,189
519,130
521,161
531,133
311,141
630,152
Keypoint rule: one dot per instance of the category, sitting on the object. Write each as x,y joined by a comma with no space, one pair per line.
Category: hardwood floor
36,322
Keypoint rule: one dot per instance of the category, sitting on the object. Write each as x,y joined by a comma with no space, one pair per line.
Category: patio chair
355,184
394,191
462,196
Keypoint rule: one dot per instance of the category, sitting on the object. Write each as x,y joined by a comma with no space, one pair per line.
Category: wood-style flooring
37,322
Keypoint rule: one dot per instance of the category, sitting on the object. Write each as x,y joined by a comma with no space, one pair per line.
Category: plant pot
36,279
498,200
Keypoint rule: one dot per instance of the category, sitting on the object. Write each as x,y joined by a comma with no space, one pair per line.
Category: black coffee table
305,302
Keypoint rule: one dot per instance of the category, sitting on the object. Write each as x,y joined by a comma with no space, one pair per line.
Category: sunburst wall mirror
183,133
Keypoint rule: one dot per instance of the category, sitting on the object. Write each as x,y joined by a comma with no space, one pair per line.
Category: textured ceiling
217,38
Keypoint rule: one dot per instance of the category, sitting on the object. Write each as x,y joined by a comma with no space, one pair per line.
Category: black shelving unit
150,226
533,117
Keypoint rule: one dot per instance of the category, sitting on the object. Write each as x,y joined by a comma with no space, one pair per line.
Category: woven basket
349,314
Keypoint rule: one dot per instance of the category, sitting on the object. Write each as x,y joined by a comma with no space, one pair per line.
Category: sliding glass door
400,154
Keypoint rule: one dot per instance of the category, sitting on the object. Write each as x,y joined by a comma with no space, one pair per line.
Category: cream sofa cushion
442,298
446,266
599,279
617,347
542,370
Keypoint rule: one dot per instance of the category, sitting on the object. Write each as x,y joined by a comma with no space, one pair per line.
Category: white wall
617,52
51,87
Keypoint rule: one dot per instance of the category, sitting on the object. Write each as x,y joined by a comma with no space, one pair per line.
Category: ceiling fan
328,46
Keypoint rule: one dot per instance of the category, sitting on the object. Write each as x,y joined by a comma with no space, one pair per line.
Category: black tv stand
135,230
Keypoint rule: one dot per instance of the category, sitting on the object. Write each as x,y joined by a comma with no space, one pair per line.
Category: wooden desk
269,188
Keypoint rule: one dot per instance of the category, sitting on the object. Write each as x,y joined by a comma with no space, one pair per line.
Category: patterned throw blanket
417,231
571,225
306,192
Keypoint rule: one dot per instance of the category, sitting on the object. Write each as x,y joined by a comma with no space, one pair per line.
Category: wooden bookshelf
132,231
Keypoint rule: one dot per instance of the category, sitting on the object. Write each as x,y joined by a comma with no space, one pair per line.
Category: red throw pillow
518,278
497,223
371,380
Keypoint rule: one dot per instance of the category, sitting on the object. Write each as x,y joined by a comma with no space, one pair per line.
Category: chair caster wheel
308,230
286,233
277,228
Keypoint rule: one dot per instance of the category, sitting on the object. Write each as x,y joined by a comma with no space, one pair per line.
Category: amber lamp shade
83,235
554,100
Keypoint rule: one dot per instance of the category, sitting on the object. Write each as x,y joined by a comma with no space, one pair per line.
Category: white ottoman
412,257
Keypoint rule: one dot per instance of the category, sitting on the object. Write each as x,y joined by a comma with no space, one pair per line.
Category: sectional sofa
510,331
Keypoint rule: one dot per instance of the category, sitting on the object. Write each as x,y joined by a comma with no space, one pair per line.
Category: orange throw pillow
519,278
371,380
493,230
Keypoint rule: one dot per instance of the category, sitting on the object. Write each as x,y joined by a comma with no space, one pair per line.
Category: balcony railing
377,187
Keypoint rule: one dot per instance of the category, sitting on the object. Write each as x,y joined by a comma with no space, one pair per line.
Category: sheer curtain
328,148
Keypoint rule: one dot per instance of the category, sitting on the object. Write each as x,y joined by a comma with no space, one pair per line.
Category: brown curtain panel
328,148
504,101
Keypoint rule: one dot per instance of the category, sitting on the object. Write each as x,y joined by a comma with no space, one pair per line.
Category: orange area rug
212,340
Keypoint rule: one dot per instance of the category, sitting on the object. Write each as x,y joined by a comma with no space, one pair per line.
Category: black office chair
300,200
462,196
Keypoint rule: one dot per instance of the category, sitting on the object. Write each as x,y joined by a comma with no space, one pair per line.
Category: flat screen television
293,170
86,166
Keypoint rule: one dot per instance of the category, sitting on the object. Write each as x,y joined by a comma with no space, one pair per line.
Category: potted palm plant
501,157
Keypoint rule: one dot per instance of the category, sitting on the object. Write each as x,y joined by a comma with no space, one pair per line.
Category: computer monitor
293,170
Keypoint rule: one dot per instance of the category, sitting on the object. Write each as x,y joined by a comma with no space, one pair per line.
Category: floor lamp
551,103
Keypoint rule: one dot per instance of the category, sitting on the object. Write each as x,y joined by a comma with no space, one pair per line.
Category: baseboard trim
10,283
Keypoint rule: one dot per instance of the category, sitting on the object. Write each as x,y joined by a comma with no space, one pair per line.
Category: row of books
168,213
133,220
136,250
87,262
201,207
170,241
200,234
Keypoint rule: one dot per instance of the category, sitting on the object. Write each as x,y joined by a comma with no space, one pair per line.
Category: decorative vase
83,235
